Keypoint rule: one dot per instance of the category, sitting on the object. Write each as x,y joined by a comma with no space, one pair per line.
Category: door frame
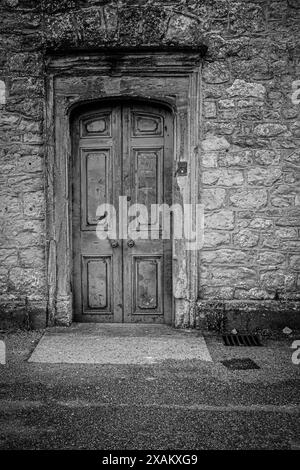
170,79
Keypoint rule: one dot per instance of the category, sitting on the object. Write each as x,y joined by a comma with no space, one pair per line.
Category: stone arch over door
158,77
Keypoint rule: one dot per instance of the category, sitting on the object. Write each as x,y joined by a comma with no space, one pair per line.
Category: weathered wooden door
121,150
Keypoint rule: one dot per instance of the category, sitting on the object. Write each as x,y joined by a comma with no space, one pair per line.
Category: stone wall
250,170
22,201
250,128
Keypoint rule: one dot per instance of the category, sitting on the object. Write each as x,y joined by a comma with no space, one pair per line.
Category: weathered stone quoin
246,159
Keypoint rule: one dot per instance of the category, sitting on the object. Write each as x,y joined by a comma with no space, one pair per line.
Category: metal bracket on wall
181,169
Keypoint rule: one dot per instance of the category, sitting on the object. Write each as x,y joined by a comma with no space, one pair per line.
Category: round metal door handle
130,243
114,243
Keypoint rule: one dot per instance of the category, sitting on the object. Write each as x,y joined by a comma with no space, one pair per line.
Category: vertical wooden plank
76,219
116,191
96,180
148,155
128,178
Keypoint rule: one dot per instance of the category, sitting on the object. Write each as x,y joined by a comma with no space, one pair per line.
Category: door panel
148,176
147,293
97,267
147,136
95,184
96,273
99,125
143,125
121,151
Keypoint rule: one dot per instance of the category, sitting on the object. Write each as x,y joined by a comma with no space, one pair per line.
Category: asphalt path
170,404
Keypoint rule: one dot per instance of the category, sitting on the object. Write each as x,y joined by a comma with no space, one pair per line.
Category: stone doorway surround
81,80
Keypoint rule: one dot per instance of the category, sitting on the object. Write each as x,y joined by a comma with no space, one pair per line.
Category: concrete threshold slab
119,344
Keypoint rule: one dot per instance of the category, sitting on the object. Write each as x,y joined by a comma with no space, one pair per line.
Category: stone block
213,198
286,232
25,63
180,27
32,257
216,293
8,257
34,204
264,177
213,142
249,103
8,121
220,128
221,220
26,233
216,72
290,112
25,183
291,245
243,89
253,294
295,129
269,130
30,164
278,279
285,195
246,238
259,223
233,277
209,159
3,278
291,218
293,157
30,126
266,157
226,104
2,92
248,315
31,87
33,138
223,177
37,313
270,240
295,262
26,281
249,199
240,159
10,205
215,239
210,110
227,256
270,258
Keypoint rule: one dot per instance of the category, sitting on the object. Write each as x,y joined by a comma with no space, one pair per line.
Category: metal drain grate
241,340
240,364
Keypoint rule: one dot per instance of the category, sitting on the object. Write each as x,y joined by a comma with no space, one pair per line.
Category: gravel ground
173,404
20,344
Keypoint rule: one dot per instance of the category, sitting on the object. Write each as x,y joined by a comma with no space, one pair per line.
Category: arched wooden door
121,150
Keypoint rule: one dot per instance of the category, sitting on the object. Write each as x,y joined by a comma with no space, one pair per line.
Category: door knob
114,243
130,243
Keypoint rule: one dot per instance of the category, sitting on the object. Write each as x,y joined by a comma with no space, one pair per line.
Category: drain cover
241,340
240,364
